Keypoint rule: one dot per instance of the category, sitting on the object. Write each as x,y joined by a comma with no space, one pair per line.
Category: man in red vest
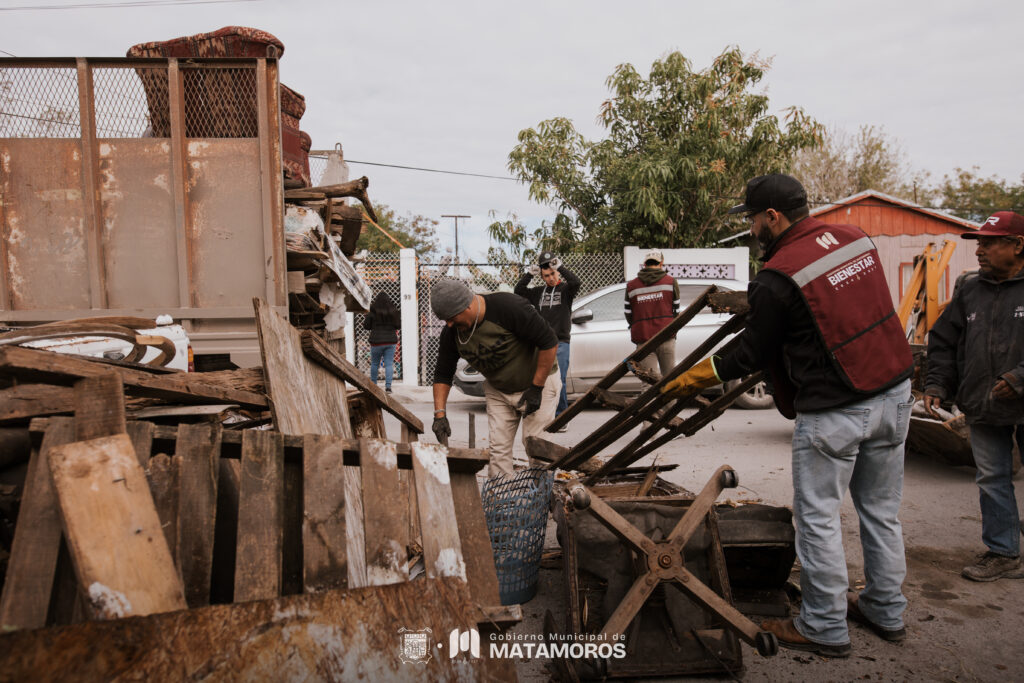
652,300
822,324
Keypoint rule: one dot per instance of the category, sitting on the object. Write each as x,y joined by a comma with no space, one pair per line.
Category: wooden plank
34,400
141,434
119,551
325,563
408,489
198,448
317,349
162,475
385,537
335,635
306,398
48,367
33,562
367,418
164,437
475,540
355,543
442,550
291,583
225,532
99,407
260,517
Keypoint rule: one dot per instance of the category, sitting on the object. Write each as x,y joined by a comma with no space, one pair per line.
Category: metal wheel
767,644
730,479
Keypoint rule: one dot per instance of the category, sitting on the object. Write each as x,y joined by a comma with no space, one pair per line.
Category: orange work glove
700,376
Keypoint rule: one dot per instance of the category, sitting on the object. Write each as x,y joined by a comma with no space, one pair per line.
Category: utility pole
456,217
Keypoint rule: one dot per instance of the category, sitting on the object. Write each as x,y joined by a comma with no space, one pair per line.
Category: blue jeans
563,367
993,455
860,447
387,353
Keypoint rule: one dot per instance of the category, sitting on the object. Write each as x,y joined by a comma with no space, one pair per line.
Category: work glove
555,263
442,430
534,270
700,376
530,401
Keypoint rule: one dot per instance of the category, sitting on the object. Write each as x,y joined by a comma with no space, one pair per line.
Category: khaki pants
503,420
663,357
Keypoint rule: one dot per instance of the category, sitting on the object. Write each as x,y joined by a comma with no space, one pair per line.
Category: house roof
874,223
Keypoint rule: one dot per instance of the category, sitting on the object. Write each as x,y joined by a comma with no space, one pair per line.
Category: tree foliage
678,149
968,195
844,164
414,232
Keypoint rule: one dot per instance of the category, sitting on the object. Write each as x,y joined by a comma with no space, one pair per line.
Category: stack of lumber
320,239
312,544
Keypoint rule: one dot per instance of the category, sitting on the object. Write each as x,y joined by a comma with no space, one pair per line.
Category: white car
600,340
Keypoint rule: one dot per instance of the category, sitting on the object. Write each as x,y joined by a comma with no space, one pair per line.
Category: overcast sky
448,85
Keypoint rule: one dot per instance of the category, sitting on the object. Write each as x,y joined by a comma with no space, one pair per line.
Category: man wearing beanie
506,340
976,358
822,324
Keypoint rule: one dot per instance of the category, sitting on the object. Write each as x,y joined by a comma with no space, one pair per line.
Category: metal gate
594,271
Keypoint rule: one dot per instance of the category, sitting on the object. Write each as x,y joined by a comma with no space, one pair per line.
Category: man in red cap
976,358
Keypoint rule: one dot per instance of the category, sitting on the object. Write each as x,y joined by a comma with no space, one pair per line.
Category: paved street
958,630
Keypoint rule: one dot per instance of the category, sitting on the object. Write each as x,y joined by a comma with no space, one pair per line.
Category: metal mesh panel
594,271
317,166
381,273
124,98
220,102
39,102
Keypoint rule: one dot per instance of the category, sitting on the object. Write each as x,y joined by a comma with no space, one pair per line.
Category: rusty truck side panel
105,211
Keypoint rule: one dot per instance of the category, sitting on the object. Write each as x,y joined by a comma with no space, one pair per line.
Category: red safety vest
839,274
651,306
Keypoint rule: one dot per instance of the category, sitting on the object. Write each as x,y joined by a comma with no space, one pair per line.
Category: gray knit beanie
450,297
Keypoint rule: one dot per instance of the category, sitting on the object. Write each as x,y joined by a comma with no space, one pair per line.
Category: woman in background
383,322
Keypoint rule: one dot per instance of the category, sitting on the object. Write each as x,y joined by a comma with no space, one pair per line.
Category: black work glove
442,430
530,402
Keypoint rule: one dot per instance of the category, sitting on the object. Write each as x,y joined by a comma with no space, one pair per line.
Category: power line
431,170
119,5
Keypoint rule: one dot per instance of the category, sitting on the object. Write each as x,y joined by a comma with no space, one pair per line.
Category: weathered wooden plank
48,367
442,550
162,475
99,407
367,419
260,517
33,562
317,349
164,438
355,544
324,549
476,542
225,532
35,400
385,537
119,551
335,635
141,434
306,398
198,447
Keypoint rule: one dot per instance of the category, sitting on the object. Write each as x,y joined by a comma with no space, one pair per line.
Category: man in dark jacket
976,357
652,300
822,323
553,301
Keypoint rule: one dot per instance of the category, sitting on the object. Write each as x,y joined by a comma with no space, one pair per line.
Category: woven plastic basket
516,509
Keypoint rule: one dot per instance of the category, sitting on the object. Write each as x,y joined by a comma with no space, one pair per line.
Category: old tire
754,398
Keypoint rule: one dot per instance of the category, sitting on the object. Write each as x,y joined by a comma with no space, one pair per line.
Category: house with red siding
901,230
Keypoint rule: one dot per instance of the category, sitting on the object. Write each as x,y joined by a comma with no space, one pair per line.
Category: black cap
773,191
546,257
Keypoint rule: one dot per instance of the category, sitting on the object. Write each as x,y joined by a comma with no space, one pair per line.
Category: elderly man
822,323
976,355
652,301
553,300
506,340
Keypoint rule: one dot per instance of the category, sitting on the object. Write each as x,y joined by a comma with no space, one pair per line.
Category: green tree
968,195
678,148
414,232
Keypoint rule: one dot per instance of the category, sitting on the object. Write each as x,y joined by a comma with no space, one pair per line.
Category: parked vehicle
600,340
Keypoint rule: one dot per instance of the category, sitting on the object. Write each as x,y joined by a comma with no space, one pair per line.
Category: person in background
383,321
553,301
976,356
652,300
822,324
